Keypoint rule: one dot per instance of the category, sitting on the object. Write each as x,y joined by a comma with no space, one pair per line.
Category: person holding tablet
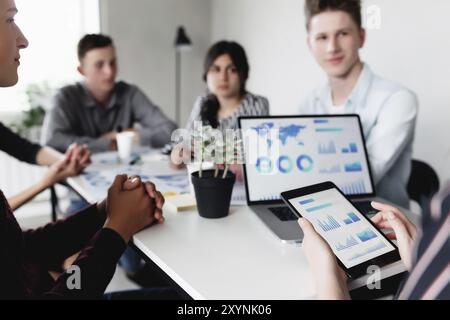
356,241
425,253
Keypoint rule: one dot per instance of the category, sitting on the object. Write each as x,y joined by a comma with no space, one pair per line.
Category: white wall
51,55
412,47
144,34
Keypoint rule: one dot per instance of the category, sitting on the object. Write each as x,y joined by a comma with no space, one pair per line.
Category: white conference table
236,257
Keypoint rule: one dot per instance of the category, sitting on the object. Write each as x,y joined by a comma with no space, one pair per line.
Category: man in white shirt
388,111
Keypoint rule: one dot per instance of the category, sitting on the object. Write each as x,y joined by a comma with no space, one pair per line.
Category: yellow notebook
182,202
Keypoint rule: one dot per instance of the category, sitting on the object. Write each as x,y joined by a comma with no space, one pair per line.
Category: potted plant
213,188
38,96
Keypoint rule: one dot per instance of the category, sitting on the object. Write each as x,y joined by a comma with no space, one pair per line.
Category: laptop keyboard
365,207
283,213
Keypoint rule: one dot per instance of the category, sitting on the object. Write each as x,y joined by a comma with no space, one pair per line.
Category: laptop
288,152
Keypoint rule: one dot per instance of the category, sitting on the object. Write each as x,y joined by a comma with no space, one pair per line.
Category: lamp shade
182,41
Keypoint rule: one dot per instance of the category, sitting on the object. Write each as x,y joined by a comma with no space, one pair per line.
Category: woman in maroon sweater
100,232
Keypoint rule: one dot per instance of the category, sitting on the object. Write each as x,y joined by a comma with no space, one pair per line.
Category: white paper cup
125,145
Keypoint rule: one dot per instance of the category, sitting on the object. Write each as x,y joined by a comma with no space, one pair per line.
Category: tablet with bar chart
354,239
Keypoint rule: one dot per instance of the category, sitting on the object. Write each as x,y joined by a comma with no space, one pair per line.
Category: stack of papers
152,166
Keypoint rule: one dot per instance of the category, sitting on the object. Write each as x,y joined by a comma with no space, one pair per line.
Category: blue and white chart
99,176
295,152
152,166
352,238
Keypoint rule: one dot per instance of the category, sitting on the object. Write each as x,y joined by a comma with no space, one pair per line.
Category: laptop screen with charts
283,153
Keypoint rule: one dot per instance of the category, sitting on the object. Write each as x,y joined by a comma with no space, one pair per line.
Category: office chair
423,183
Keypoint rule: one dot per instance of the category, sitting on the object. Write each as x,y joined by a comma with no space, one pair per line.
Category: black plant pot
213,195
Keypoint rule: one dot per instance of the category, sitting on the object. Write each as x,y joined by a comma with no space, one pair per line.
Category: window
53,28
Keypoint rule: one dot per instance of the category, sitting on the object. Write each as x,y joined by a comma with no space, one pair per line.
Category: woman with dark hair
226,71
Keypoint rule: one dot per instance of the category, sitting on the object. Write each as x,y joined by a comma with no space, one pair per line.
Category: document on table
99,176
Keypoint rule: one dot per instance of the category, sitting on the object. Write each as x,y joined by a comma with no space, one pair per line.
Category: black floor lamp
182,43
